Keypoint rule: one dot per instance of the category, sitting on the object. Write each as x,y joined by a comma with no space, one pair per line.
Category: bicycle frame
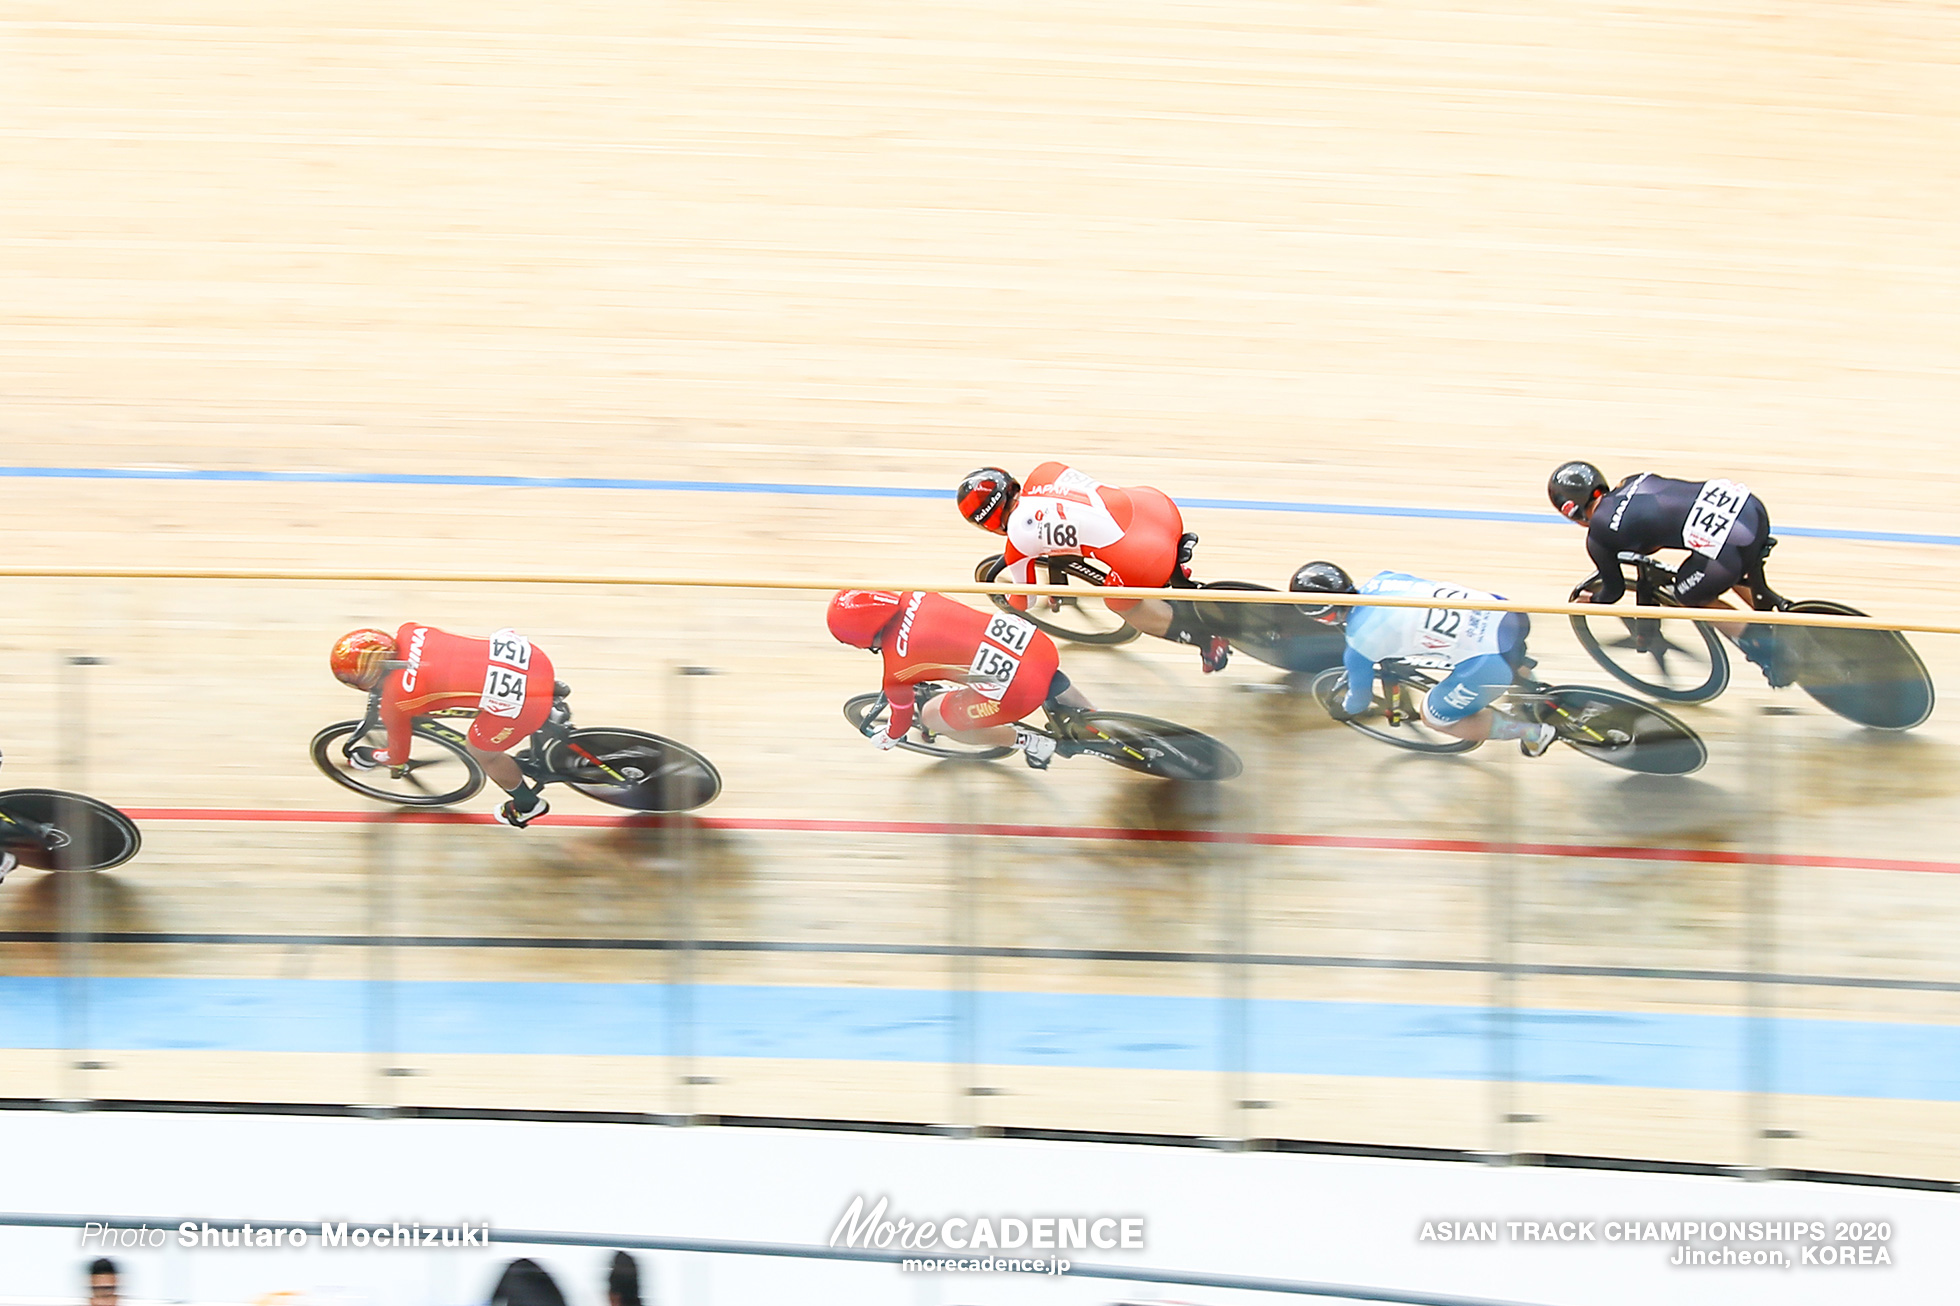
556,729
1653,583
1527,697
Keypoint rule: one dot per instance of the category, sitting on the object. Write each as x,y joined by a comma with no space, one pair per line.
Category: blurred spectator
102,1280
525,1283
623,1283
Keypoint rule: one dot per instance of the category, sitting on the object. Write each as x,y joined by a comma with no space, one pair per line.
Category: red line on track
1609,852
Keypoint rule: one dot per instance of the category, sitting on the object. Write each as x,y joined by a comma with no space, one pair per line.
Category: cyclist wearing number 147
1724,528
421,669
1004,666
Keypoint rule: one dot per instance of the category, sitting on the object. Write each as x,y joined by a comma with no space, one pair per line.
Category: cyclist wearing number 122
507,679
1483,649
1005,667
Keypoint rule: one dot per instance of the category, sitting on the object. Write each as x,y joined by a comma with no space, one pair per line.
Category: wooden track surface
1394,254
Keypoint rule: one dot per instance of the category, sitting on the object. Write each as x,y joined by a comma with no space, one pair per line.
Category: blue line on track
843,492
1641,1049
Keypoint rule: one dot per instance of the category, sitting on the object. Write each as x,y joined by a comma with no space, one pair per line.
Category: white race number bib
1713,516
504,680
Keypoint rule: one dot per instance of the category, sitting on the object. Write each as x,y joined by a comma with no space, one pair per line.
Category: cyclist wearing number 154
420,669
1004,666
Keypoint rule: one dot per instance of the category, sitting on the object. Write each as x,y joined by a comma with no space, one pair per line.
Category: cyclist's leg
1062,693
1460,704
968,716
1146,555
1701,581
973,718
492,736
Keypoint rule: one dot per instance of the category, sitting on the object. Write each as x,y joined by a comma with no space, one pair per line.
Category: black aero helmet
1321,578
1573,488
986,497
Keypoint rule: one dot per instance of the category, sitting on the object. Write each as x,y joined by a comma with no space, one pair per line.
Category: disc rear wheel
53,830
634,769
1622,731
1161,748
1872,677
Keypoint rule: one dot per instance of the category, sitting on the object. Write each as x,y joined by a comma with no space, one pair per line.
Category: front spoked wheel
1399,723
868,712
440,770
1161,748
53,830
1621,731
1872,677
1677,661
631,768
1082,621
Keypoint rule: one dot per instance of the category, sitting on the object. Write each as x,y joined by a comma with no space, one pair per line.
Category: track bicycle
1604,724
54,830
1872,677
1278,634
626,768
1138,743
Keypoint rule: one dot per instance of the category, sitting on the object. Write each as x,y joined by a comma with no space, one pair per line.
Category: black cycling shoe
1766,647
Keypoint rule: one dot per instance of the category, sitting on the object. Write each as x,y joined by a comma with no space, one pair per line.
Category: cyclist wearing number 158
420,669
1005,667
1724,528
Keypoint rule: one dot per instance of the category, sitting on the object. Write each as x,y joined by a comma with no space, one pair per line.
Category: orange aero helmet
858,617
986,497
357,657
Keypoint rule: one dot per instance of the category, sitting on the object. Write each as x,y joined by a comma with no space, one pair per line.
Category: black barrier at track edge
549,943
796,1251
1304,1146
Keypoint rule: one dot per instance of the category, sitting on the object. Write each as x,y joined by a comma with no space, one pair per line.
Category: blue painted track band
845,492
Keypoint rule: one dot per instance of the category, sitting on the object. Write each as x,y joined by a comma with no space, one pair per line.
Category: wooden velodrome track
1394,255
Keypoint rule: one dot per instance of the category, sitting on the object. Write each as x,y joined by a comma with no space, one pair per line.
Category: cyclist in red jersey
505,678
1006,668
1137,533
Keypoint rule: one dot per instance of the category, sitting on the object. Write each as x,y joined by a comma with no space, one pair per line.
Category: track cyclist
1136,533
506,678
1484,650
1006,668
1724,528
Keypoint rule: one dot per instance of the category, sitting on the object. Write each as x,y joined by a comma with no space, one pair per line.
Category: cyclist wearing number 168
1005,667
420,669
1724,528
1137,534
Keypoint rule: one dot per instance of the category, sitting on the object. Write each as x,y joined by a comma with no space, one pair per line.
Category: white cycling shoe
517,820
1037,748
1537,739
7,863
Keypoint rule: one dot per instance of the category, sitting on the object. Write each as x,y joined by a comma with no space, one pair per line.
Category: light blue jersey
1452,635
